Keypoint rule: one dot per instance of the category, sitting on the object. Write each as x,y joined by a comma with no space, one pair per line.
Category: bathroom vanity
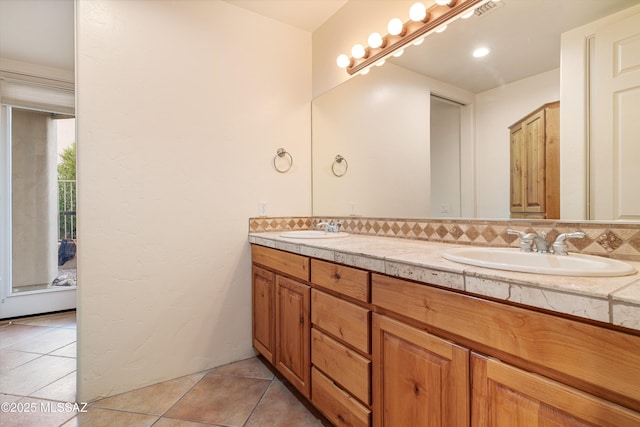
385,332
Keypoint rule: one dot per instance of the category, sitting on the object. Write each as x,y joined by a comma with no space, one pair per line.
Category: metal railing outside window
66,209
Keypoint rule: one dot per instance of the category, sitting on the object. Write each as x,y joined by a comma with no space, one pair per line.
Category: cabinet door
293,332
263,328
534,168
418,379
517,159
504,396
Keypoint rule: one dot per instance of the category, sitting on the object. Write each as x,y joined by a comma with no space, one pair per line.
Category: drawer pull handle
337,276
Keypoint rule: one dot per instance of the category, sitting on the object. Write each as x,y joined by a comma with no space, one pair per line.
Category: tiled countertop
613,300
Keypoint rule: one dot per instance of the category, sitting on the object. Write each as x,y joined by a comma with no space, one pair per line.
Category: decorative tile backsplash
615,240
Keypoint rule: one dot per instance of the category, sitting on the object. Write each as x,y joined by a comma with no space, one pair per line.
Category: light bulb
480,52
357,51
398,52
441,28
380,63
395,27
417,12
419,41
443,2
365,71
375,40
468,14
343,61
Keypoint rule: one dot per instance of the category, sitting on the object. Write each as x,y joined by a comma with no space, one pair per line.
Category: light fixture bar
436,16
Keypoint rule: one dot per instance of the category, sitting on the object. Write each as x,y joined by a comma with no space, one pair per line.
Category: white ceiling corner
306,15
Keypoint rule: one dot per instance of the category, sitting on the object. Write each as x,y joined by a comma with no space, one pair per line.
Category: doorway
37,241
445,158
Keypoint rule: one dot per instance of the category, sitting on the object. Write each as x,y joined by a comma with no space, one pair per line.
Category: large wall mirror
426,135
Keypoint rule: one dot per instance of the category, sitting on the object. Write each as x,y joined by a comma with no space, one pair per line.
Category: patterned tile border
614,240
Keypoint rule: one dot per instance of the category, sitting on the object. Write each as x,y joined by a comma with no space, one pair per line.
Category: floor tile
10,359
169,422
99,417
220,399
8,398
35,413
67,351
13,333
62,390
56,320
252,368
152,400
279,407
34,375
53,339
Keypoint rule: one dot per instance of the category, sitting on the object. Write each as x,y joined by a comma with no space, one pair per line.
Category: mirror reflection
428,134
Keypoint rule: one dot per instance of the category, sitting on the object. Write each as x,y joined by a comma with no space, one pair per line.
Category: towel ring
339,159
281,153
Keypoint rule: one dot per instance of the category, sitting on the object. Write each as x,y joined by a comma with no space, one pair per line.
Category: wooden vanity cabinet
263,288
420,380
292,333
366,348
535,164
341,343
281,313
526,368
505,396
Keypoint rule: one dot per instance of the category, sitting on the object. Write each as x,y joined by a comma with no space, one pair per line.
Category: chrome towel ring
338,161
282,153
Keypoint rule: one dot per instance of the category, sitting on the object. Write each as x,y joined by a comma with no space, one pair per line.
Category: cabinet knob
337,276
302,320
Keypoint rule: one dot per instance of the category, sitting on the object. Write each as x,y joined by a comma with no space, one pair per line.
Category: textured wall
181,106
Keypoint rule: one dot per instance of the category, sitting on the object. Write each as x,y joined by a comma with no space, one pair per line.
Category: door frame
29,302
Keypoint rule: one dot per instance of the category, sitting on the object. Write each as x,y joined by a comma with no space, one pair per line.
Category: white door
615,131
28,234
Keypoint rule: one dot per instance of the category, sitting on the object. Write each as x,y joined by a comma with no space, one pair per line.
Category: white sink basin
312,234
532,262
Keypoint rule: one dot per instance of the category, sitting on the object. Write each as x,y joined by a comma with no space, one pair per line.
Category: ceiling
42,31
38,32
307,15
523,35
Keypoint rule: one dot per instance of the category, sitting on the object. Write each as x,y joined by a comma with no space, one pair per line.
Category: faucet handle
526,244
560,245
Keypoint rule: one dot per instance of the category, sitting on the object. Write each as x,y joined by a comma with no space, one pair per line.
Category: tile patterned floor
38,374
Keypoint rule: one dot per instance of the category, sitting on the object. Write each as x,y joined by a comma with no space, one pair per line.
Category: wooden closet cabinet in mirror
535,164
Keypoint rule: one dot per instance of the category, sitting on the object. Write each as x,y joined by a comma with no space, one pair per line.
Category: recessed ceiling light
481,51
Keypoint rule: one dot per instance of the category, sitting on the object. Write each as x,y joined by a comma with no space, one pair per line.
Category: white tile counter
613,300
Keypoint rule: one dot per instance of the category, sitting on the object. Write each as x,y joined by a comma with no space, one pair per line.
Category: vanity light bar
435,17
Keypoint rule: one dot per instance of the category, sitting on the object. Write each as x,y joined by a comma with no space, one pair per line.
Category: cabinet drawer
337,405
286,263
348,281
342,319
344,366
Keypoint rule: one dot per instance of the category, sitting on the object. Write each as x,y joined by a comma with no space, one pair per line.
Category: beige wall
33,204
181,106
496,110
390,156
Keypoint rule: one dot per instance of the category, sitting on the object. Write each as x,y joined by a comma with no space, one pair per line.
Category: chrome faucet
330,227
559,247
542,247
527,240
526,244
